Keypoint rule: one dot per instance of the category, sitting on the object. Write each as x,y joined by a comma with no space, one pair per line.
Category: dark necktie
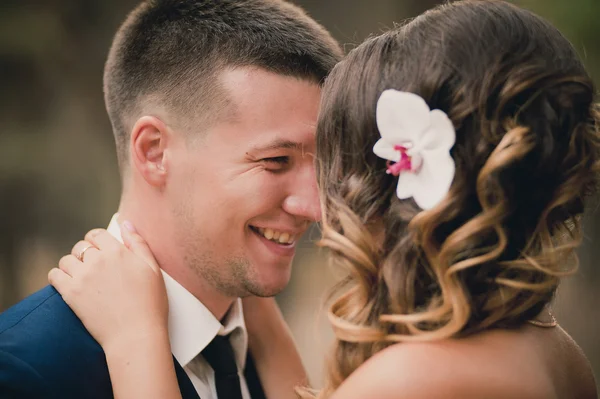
219,354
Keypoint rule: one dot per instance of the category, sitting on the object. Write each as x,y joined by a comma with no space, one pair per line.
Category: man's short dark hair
169,53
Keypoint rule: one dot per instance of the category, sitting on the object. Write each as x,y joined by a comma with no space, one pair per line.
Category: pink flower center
405,162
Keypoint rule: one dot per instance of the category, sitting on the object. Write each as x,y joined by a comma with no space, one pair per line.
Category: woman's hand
119,294
116,290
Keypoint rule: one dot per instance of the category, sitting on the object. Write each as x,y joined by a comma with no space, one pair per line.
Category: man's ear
149,139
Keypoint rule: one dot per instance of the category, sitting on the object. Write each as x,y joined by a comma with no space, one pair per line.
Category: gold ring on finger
80,255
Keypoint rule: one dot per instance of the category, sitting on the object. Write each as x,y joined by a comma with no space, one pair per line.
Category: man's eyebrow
279,144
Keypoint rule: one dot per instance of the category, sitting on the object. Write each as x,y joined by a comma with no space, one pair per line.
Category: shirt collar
191,325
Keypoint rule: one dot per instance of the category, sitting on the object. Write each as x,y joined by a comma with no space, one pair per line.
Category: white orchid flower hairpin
416,141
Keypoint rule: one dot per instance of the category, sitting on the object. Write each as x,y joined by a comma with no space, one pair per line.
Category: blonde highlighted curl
527,154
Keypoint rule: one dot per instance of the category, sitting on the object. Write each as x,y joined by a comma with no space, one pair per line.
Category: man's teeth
277,236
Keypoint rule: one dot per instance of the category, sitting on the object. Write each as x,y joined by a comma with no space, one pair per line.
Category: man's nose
303,200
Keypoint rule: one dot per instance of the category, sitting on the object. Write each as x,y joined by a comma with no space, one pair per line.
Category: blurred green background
58,169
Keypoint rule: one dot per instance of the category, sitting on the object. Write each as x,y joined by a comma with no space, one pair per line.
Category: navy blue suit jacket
46,352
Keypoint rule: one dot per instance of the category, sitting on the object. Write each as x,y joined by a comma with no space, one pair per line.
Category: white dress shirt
192,327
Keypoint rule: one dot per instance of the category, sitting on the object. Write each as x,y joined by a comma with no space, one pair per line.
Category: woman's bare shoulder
467,368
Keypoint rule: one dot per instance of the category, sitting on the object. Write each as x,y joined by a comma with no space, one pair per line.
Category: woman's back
536,362
528,363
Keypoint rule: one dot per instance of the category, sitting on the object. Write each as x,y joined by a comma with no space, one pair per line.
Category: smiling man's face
243,196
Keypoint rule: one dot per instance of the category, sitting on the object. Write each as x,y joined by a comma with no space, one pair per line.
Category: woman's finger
83,249
138,245
60,280
103,240
70,265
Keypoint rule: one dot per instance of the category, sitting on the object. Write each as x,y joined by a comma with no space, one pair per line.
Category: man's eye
282,161
276,164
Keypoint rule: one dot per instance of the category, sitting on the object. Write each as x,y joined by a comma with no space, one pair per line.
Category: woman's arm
142,368
273,349
118,293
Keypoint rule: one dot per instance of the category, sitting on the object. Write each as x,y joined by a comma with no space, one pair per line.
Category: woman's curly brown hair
527,153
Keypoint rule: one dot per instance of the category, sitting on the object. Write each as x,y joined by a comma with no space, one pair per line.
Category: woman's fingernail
95,232
129,226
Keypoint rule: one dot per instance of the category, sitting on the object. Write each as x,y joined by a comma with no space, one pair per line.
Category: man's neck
217,303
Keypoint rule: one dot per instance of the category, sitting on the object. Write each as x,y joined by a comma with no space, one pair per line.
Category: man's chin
265,290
